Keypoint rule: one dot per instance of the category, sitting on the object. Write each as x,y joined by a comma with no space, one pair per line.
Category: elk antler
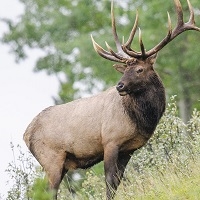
125,52
121,56
180,27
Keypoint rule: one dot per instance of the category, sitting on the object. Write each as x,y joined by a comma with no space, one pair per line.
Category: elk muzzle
121,88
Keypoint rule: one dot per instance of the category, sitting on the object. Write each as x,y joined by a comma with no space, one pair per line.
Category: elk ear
120,68
152,59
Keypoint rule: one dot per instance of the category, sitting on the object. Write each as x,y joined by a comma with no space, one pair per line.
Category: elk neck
146,107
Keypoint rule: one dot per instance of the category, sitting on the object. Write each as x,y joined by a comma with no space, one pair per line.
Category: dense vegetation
166,168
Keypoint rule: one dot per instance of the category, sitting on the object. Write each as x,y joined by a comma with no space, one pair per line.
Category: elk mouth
125,91
122,93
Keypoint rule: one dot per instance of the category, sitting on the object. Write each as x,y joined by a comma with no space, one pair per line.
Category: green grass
177,181
173,183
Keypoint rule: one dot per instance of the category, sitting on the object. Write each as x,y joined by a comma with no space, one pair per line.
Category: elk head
137,67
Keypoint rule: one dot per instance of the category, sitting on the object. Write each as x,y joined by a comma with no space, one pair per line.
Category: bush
22,173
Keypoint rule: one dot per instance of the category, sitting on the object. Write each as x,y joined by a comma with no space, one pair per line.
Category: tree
62,30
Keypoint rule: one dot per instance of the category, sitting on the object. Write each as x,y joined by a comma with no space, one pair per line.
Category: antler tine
179,11
127,46
132,34
169,25
117,42
120,56
115,54
141,44
180,27
118,45
164,42
191,19
105,54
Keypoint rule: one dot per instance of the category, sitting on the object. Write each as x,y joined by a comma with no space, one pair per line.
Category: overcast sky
23,94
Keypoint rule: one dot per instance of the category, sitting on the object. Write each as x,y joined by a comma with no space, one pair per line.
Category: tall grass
172,183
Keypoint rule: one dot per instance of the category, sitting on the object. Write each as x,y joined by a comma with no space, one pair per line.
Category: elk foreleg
53,165
123,160
54,182
114,166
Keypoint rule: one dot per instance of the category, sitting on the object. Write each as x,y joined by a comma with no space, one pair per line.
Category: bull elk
111,125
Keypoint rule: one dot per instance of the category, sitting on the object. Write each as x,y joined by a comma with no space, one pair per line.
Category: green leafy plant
40,190
22,172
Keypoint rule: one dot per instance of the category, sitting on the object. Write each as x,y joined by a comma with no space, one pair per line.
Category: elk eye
140,70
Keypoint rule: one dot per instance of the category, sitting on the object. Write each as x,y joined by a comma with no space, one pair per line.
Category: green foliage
40,190
93,187
25,178
22,173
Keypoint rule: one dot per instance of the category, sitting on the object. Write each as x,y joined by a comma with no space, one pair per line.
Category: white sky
23,94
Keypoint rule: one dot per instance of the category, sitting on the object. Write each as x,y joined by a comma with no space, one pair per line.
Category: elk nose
120,86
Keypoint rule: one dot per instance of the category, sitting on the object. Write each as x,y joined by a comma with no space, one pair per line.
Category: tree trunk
185,108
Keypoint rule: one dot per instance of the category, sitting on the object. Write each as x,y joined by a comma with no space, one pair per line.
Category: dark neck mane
145,108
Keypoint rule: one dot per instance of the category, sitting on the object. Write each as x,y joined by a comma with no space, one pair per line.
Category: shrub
22,173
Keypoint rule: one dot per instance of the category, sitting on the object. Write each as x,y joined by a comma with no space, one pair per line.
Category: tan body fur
64,129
